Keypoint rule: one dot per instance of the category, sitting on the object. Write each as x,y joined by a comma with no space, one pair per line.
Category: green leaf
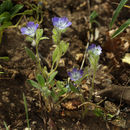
121,28
52,83
46,91
4,58
60,93
55,96
73,88
63,47
4,17
28,39
56,54
1,35
55,35
52,76
41,80
93,15
110,116
62,87
44,38
5,25
39,34
6,6
27,12
15,10
30,53
98,112
26,109
6,126
54,31
34,84
117,11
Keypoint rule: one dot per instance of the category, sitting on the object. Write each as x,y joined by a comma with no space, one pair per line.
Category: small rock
27,129
79,57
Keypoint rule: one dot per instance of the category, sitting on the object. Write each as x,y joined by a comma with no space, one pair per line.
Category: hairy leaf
30,53
41,80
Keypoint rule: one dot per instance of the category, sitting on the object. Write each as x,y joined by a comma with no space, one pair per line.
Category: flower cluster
61,23
75,74
30,29
96,50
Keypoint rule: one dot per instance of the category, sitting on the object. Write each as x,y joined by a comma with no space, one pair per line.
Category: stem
92,89
64,98
84,111
43,73
38,58
38,61
41,20
14,26
57,62
85,54
26,110
1,35
37,12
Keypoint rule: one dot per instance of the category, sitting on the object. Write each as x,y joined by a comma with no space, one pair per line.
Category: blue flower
96,50
30,29
61,23
75,74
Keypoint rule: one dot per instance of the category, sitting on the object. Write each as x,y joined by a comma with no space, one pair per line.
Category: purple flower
75,74
61,23
30,29
96,50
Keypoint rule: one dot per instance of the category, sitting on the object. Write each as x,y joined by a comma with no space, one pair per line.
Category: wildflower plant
60,26
51,89
44,78
94,53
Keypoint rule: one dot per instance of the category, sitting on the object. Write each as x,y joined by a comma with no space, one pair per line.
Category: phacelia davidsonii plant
45,78
50,88
94,55
60,26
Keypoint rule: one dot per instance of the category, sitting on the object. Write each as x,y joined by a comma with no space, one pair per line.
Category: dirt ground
113,72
